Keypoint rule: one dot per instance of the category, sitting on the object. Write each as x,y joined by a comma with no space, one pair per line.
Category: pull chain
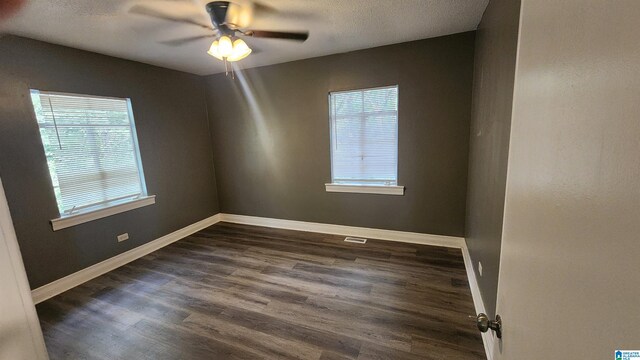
226,69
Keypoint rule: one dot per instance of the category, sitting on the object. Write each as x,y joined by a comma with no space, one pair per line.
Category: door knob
484,324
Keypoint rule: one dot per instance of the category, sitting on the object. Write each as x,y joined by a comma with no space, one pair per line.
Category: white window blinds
364,136
91,149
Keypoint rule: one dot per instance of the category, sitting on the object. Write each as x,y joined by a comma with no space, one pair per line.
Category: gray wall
495,58
273,159
170,113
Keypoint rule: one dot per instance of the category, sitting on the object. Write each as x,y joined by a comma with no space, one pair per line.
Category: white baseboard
70,281
488,338
390,235
54,288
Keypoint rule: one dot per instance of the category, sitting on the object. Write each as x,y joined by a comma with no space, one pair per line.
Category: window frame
362,186
109,207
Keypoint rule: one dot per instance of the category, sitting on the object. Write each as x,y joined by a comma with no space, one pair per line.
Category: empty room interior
354,179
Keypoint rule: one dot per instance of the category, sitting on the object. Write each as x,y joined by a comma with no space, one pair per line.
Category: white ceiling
335,26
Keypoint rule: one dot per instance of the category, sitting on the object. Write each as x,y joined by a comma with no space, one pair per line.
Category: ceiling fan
230,21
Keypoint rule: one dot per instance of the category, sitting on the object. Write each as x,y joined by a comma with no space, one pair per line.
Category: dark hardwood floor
243,292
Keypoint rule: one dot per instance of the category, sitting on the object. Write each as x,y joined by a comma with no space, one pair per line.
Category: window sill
83,217
365,189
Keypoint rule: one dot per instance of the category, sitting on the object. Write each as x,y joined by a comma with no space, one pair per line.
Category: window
92,153
364,141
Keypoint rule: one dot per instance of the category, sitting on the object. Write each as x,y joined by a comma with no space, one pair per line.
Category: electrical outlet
123,237
480,268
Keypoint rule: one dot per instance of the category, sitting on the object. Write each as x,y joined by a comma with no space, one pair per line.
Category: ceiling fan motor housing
218,12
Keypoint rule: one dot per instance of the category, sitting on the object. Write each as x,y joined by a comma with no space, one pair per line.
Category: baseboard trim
488,338
70,281
369,233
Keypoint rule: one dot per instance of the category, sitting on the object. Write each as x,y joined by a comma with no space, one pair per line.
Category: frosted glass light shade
213,51
225,47
240,50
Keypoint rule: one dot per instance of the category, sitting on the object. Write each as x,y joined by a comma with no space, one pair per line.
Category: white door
569,284
20,334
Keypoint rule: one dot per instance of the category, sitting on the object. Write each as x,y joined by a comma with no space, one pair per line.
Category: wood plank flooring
244,292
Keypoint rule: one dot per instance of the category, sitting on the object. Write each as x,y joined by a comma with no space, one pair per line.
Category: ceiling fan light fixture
223,49
240,50
213,51
225,46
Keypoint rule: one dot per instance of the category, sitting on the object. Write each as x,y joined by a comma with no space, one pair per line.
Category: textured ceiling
335,26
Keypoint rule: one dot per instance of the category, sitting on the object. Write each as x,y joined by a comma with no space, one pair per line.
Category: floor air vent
355,240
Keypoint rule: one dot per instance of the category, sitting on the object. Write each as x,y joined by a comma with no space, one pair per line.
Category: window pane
364,136
90,148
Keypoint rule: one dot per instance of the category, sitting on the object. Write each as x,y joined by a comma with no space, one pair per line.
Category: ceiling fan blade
179,42
141,10
263,10
299,36
239,15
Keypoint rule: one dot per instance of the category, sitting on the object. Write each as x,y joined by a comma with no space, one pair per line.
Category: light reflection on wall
249,90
